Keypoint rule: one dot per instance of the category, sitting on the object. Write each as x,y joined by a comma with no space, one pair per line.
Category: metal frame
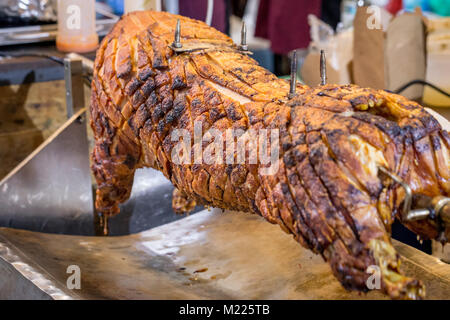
48,32
73,76
52,189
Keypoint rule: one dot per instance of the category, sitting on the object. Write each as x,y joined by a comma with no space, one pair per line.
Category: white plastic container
76,26
139,5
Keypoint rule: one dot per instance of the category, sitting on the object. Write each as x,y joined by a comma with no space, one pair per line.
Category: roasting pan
208,255
48,227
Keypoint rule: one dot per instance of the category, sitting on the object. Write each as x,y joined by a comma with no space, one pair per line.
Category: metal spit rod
293,82
177,37
243,46
323,68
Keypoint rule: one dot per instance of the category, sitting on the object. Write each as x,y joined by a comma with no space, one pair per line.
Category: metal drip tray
209,255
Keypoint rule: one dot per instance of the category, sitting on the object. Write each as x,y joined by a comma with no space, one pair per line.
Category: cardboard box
389,52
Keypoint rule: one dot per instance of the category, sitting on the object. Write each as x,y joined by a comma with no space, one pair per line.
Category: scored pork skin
327,191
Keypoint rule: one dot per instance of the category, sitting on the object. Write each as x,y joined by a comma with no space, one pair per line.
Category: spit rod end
441,206
323,68
293,83
177,39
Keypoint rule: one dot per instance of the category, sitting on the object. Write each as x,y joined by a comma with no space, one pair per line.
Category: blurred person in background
285,24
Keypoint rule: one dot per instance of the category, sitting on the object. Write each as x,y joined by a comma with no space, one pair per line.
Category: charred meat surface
327,191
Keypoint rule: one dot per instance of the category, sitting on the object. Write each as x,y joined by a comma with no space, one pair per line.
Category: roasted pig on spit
324,186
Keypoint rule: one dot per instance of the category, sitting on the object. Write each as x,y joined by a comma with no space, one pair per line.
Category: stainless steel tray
209,255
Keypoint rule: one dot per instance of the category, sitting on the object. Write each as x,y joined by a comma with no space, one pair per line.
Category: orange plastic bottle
76,26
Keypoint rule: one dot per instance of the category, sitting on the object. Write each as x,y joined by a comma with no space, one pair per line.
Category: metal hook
243,46
408,193
437,208
177,41
293,82
323,68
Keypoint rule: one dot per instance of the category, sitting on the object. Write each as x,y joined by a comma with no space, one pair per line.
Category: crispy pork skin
327,190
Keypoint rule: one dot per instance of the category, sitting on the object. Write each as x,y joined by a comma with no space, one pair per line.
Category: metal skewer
408,193
190,46
177,41
243,46
293,82
323,68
